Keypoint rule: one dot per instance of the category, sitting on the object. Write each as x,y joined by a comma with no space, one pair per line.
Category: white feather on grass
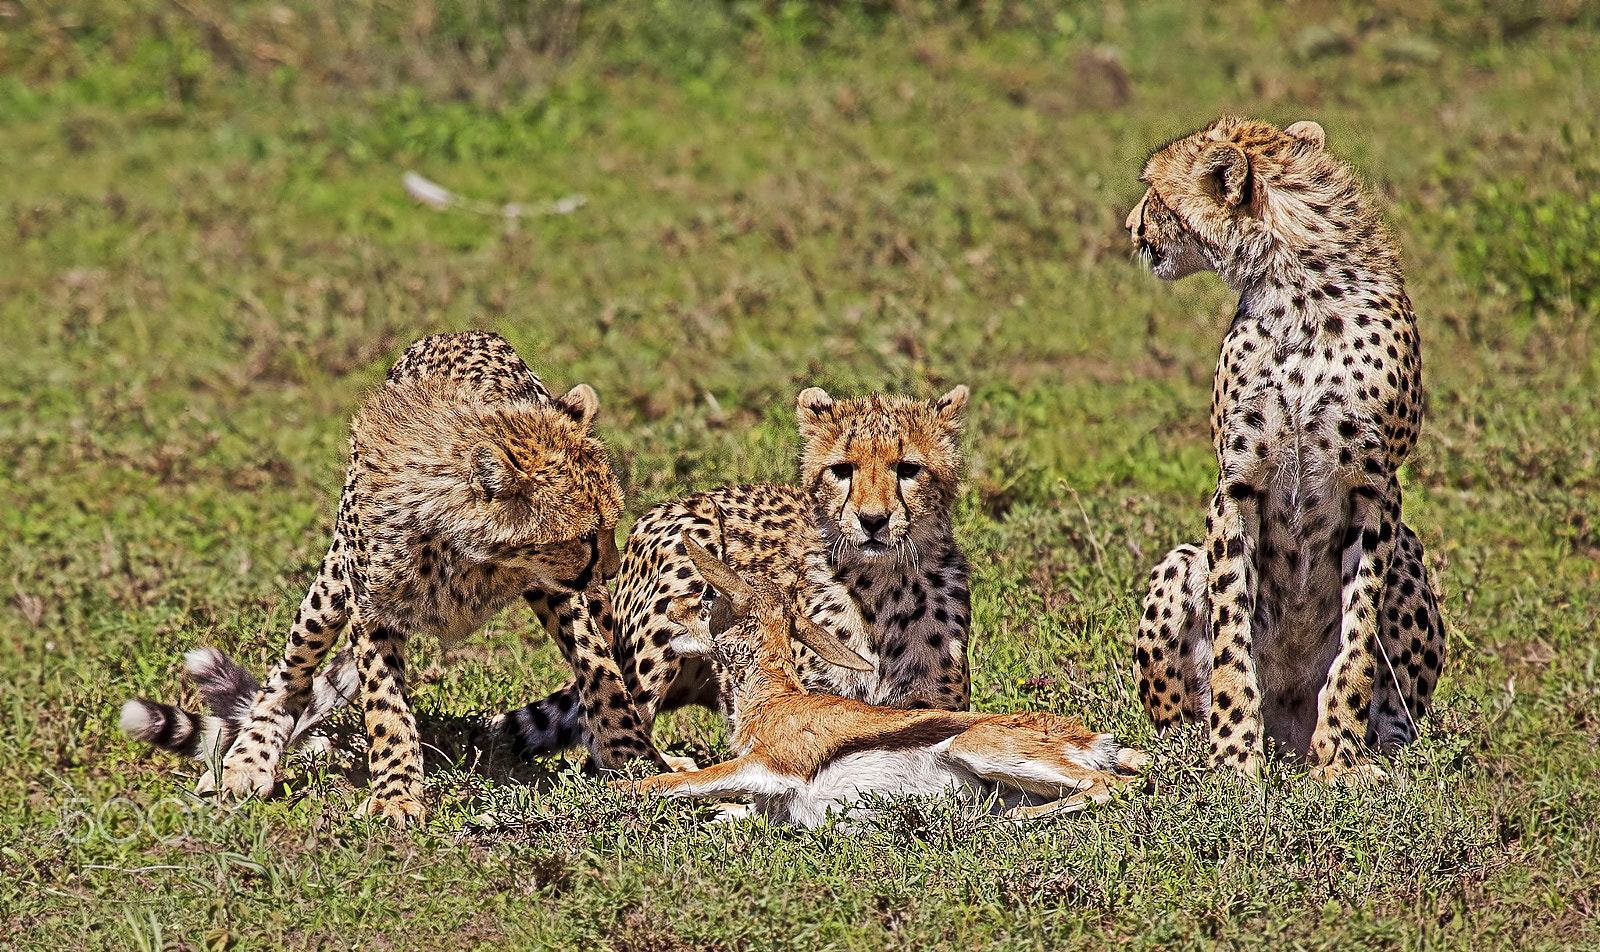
437,196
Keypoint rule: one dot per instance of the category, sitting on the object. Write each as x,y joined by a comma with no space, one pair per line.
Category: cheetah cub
1306,620
469,485
865,541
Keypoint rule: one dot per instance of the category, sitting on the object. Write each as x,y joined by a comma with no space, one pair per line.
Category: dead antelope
802,756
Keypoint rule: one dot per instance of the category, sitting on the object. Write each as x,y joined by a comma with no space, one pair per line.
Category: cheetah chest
435,590
907,622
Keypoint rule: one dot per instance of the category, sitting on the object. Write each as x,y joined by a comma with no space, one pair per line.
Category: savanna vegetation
207,258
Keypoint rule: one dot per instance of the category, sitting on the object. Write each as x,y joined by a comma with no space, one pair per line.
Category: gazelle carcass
802,756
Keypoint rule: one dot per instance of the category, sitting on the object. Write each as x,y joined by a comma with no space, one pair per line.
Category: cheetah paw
1357,774
241,780
400,810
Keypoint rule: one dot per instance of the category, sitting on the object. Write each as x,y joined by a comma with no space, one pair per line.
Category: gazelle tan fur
802,756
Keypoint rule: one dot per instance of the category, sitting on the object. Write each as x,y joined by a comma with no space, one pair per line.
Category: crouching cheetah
865,545
1307,618
469,485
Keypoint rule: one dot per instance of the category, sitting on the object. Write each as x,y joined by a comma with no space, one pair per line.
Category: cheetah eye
908,470
841,471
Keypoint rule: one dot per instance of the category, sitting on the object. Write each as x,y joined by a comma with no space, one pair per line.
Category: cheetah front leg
251,764
395,756
585,631
1235,724
1345,700
554,723
559,721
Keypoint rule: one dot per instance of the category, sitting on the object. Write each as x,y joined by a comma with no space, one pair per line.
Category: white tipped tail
172,728
137,721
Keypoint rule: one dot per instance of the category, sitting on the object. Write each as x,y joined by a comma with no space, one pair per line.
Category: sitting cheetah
468,487
865,542
1307,617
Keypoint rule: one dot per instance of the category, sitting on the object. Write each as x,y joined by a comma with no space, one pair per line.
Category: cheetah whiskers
906,550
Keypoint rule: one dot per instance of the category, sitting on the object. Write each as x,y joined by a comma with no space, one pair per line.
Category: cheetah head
1230,196
881,471
517,484
541,481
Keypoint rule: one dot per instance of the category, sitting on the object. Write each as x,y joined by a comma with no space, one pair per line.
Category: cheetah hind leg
394,755
1173,643
229,689
1412,640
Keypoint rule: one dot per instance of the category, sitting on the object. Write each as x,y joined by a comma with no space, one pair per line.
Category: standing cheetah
1307,617
865,543
468,487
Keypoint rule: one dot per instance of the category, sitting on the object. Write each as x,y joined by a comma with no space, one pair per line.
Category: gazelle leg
740,777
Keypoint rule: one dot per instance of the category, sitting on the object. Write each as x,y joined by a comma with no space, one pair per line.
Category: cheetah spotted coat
1306,620
468,486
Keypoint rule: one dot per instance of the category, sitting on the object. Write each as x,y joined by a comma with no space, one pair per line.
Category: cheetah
865,543
468,486
1306,624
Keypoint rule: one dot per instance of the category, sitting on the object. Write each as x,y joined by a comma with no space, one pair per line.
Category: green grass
206,258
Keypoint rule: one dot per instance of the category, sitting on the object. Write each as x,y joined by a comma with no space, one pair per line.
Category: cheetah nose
873,524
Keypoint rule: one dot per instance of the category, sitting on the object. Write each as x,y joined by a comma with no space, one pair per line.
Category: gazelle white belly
844,783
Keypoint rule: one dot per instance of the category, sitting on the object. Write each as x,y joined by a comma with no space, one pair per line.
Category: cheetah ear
492,472
951,408
1308,132
582,404
1228,168
814,404
827,647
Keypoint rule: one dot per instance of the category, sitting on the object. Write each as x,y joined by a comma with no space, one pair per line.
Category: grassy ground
206,258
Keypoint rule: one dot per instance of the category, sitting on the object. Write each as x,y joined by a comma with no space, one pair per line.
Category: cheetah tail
544,727
230,689
174,729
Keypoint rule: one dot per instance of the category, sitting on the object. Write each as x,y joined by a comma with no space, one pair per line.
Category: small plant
1540,249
